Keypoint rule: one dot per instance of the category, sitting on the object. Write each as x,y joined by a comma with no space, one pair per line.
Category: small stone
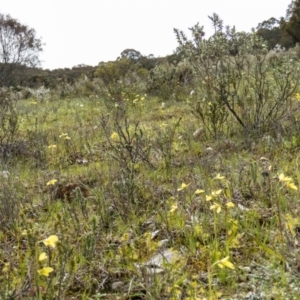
246,269
263,159
117,285
198,133
4,174
82,161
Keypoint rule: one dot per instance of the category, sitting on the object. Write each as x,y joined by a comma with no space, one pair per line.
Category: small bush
233,72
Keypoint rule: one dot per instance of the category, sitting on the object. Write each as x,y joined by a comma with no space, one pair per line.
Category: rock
209,148
4,174
199,133
117,285
263,159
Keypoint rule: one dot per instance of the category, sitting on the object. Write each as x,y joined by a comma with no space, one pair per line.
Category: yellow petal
114,136
292,186
208,198
43,256
212,207
217,207
174,207
282,178
45,271
218,192
228,264
219,177
51,241
197,192
225,262
183,186
52,182
230,204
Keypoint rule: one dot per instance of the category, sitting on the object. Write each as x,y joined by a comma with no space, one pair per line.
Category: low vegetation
182,184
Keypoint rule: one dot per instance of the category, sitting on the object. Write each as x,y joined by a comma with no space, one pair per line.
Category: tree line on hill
284,31
20,48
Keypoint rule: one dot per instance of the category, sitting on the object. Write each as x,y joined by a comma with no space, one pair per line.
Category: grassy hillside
126,202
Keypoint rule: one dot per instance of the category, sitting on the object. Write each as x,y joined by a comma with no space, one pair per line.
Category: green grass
119,206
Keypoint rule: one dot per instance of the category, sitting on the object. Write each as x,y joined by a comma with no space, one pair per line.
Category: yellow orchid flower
51,241
52,182
174,207
216,207
43,256
292,186
198,191
282,178
183,186
45,271
114,137
230,204
219,177
224,263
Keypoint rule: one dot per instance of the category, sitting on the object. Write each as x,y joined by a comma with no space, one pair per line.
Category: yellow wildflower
282,178
213,194
183,186
51,241
52,182
198,191
63,135
208,197
288,181
45,271
43,256
216,193
216,207
292,186
114,137
224,263
174,207
230,204
219,177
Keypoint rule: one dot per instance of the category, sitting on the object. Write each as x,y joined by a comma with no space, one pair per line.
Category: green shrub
234,72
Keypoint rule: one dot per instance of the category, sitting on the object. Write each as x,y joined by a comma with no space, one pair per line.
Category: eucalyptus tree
19,48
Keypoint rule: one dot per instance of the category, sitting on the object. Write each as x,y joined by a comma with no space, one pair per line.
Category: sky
91,31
